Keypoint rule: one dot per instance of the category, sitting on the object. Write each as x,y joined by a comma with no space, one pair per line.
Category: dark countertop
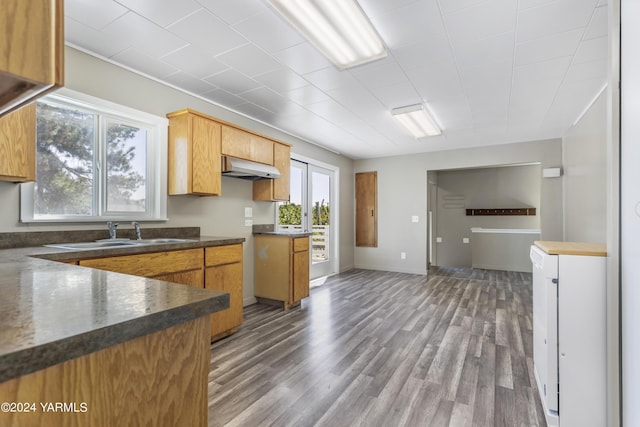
51,312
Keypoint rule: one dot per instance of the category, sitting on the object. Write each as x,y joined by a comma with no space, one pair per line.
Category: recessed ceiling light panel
417,120
338,28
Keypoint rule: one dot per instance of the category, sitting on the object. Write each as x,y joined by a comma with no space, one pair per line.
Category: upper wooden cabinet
367,209
276,189
31,50
246,145
194,154
18,145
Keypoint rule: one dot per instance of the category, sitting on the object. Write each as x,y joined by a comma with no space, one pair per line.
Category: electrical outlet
415,218
248,222
438,239
403,255
465,240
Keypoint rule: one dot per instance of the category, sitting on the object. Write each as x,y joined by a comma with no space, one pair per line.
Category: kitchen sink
165,240
103,244
117,243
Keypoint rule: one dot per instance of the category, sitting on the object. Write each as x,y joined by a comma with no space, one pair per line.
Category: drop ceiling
491,71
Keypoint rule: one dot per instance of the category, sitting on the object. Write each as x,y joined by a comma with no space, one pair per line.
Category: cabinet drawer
149,265
301,244
221,255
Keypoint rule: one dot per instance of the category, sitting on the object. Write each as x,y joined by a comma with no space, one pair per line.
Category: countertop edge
572,248
32,359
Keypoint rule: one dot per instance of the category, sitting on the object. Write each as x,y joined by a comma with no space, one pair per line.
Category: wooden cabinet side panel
29,38
151,264
272,267
206,156
156,380
18,144
366,209
226,278
220,255
180,156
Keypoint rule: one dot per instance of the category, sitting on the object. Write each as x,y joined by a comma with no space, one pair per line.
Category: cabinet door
246,145
206,174
366,209
300,286
226,278
276,189
18,145
193,278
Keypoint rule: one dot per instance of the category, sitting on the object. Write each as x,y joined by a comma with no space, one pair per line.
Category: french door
310,209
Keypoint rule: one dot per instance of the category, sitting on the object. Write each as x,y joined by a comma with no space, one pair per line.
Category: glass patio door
309,210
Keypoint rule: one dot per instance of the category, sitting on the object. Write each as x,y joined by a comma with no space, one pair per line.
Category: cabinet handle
372,212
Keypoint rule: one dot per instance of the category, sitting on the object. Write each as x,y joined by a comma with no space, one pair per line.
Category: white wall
402,192
584,152
218,216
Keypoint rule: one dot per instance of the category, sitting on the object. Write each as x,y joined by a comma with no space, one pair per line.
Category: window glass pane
290,213
126,168
65,159
320,184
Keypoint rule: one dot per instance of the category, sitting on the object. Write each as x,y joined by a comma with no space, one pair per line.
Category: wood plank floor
371,348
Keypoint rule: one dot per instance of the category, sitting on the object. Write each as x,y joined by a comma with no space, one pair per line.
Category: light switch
438,239
415,218
465,240
248,212
248,222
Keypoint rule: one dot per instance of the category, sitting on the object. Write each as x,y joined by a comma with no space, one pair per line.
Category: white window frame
156,182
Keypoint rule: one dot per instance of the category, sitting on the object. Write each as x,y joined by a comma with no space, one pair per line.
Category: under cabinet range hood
246,169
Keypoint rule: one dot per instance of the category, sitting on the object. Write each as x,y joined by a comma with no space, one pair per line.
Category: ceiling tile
144,35
194,61
424,53
357,99
588,70
404,25
545,48
189,83
591,50
306,95
269,31
232,81
266,98
331,78
92,40
397,95
206,31
449,6
553,69
374,8
234,11
493,76
486,19
281,80
384,72
140,61
553,18
94,13
249,60
599,25
162,12
438,82
302,58
527,4
253,110
489,49
223,97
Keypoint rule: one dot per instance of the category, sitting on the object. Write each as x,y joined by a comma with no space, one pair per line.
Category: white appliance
569,336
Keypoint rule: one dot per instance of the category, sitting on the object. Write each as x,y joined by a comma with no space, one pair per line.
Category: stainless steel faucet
136,226
112,229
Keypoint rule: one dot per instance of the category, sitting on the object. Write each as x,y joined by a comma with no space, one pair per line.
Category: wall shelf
501,211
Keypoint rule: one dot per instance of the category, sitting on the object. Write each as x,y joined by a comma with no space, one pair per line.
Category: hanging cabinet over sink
197,144
18,145
31,51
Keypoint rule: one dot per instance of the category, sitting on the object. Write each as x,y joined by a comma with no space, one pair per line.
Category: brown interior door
366,209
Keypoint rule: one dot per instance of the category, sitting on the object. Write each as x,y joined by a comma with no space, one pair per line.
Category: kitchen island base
158,379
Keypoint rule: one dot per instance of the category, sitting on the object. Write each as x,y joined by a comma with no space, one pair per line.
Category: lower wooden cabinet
223,272
281,269
183,266
217,267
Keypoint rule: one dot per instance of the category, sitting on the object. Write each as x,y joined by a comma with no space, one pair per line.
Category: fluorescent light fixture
338,28
417,120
